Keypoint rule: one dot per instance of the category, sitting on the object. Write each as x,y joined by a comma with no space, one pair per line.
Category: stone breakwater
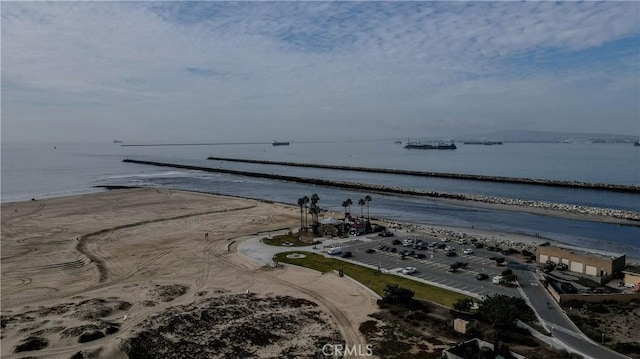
460,176
567,208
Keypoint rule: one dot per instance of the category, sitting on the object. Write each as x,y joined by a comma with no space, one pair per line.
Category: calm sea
40,171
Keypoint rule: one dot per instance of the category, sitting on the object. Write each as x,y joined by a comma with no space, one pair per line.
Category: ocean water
41,171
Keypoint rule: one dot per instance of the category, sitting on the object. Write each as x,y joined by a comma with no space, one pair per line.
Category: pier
460,176
631,216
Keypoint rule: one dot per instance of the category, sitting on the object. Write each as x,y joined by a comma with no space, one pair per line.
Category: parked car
432,244
370,250
450,254
409,270
396,242
393,249
467,251
506,252
449,248
385,233
335,250
347,255
482,276
460,264
421,256
440,245
444,239
478,245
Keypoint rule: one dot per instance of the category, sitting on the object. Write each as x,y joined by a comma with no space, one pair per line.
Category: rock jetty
461,176
567,208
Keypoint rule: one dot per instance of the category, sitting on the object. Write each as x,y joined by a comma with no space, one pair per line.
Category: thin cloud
371,67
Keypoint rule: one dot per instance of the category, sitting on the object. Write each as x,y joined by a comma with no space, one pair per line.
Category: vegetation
286,240
463,305
502,311
373,279
508,276
302,202
347,204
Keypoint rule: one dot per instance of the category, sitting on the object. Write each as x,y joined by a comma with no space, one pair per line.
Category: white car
449,248
409,270
467,251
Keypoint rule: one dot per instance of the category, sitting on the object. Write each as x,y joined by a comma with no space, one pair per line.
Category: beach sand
117,263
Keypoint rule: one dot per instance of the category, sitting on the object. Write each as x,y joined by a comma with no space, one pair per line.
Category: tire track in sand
101,263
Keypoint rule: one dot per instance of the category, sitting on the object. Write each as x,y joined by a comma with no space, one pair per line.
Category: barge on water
280,143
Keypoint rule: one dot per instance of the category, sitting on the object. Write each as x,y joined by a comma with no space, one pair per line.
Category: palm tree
367,199
349,203
301,204
361,203
305,200
345,204
314,205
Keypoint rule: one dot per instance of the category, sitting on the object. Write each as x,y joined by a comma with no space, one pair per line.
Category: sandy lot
97,274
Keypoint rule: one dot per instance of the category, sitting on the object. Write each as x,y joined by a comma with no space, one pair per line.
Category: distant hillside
547,136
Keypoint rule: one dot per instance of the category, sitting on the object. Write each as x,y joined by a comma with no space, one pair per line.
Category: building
589,263
632,277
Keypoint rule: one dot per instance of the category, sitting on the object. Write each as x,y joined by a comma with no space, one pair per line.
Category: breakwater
567,208
460,176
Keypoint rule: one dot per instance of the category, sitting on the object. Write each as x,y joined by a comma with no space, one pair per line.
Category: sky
258,71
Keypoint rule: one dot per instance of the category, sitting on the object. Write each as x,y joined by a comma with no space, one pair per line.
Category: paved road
554,319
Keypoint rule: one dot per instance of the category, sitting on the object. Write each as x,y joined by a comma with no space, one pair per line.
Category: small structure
461,325
597,264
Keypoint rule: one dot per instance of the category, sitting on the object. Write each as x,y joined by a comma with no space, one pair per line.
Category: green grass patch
286,240
373,279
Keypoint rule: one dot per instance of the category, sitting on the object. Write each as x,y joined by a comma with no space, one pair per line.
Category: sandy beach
113,274
98,274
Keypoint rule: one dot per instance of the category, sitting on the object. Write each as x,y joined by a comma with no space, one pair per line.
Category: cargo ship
428,146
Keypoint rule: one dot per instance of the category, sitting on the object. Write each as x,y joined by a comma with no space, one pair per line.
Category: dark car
482,276
370,250
347,255
492,249
506,252
396,242
412,253
392,249
440,245
451,254
420,256
460,264
478,245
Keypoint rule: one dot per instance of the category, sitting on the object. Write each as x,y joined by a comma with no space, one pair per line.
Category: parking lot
436,265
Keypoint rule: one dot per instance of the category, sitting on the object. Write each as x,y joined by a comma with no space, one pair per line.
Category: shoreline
607,215
488,234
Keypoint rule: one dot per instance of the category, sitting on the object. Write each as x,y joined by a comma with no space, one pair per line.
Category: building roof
588,252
